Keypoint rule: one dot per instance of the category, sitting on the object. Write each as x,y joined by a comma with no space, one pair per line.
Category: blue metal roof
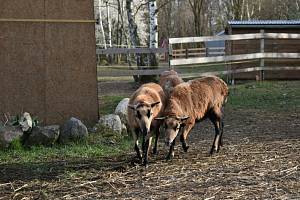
265,23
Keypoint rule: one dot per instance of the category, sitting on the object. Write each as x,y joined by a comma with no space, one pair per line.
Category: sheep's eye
138,114
149,114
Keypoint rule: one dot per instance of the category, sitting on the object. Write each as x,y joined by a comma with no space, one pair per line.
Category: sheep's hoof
185,148
170,157
145,164
155,152
214,150
139,157
221,143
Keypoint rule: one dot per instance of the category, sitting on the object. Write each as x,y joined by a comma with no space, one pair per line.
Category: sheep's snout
145,130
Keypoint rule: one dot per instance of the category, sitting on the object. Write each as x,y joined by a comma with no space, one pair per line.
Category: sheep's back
197,96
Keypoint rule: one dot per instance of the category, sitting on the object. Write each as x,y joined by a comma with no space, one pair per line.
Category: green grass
268,95
109,103
96,147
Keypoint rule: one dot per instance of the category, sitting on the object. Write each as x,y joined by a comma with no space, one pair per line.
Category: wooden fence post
186,53
262,50
170,54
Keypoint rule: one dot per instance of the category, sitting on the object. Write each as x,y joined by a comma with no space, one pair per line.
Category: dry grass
260,160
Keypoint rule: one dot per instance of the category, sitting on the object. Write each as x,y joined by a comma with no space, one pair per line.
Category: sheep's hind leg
157,133
216,144
221,134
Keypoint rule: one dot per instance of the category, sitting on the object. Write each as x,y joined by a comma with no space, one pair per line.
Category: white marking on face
172,127
144,117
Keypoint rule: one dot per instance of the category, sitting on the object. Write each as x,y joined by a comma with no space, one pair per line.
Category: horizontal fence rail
130,72
250,56
251,36
131,50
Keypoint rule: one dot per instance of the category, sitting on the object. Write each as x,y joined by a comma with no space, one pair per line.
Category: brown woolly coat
168,80
196,97
147,93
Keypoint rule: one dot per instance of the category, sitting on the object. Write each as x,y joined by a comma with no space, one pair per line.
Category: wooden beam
118,73
250,69
131,50
203,60
250,36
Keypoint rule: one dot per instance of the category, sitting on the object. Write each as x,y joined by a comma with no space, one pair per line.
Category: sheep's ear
160,118
131,106
154,104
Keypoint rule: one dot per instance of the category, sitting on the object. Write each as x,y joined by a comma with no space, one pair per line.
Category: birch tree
99,27
153,35
133,35
108,23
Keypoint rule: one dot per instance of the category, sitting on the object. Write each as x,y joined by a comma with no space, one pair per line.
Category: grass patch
94,147
108,104
268,95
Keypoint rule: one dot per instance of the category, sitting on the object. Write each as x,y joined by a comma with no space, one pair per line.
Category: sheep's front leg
146,150
183,136
171,151
136,143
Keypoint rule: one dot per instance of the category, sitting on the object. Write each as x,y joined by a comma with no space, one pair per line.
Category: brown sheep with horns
145,104
191,102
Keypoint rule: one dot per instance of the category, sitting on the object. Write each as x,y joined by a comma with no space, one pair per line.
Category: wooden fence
212,56
228,59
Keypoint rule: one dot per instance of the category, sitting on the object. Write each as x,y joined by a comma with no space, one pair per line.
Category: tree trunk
153,36
101,23
133,35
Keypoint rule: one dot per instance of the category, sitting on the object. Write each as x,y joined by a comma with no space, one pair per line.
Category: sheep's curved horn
132,106
182,118
154,104
160,118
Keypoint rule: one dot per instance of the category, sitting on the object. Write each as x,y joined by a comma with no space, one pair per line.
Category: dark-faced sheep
168,80
191,102
144,105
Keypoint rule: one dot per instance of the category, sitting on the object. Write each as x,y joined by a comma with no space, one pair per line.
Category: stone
46,136
25,122
72,130
121,110
112,122
8,134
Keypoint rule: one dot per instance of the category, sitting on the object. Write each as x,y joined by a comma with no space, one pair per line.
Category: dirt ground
260,160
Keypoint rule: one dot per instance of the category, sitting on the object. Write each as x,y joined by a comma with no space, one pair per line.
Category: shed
48,60
219,43
271,45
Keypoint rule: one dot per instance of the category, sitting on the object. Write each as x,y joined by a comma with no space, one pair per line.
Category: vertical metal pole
262,50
